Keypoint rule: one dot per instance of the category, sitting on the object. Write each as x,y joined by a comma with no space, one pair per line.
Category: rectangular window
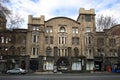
76,66
75,30
6,40
113,52
2,39
9,39
23,51
100,41
89,65
75,41
100,52
66,52
33,51
35,28
51,39
35,38
62,40
112,42
89,39
49,29
37,51
88,29
88,18
46,39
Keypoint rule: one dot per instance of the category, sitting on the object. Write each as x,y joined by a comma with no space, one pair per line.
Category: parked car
17,71
62,68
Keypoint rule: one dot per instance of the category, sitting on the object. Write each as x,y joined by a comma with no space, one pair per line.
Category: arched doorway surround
62,64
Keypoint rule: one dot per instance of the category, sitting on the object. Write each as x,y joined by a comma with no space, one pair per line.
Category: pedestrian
94,69
108,68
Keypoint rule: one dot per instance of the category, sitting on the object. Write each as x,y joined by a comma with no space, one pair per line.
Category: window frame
88,18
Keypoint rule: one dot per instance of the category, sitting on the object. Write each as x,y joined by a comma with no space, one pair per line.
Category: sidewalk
100,72
60,73
92,72
47,73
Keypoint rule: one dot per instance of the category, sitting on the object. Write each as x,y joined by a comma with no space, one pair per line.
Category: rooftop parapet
36,20
83,11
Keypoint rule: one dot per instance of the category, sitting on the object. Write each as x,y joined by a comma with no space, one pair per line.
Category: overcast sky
66,8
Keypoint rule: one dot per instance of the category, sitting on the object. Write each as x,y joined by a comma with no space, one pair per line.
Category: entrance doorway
34,65
62,64
98,65
23,64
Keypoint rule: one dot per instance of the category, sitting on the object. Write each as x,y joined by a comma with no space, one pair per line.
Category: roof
63,18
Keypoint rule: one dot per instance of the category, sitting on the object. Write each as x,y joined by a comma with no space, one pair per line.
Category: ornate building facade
60,43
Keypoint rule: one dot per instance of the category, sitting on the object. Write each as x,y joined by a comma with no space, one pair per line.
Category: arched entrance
62,64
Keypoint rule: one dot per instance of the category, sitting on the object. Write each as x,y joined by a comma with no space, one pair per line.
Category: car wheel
8,72
19,72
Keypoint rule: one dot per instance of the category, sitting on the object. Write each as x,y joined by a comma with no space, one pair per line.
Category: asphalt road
62,77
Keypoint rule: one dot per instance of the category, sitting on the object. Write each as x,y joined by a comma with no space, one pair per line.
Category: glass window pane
88,18
88,29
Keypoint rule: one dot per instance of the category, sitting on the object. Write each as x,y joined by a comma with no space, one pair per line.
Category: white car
17,71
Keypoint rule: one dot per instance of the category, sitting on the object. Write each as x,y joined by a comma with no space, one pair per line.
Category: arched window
76,51
12,49
48,51
18,50
23,51
62,29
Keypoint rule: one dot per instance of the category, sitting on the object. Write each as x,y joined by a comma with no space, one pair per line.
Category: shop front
62,64
98,62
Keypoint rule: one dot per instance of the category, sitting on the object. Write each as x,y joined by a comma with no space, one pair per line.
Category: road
62,77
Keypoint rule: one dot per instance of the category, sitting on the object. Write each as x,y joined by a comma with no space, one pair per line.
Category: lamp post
89,62
102,62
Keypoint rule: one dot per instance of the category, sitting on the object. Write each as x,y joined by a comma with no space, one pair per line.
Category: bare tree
105,22
15,21
3,8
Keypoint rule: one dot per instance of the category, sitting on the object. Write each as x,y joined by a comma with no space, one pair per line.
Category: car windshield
16,69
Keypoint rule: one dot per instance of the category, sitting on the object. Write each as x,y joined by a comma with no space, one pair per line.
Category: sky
64,8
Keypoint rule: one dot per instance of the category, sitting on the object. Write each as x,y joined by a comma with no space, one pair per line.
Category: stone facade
60,43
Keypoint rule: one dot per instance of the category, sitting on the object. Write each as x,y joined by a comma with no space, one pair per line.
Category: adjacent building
60,43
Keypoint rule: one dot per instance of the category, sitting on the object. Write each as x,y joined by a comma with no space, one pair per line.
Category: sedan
17,71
